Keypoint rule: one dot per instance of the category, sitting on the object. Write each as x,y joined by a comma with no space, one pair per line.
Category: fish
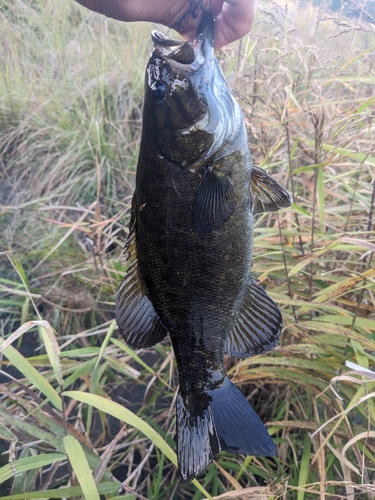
190,246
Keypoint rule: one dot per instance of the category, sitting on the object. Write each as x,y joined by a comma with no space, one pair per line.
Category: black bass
190,247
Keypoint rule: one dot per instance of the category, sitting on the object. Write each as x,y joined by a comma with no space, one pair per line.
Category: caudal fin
222,419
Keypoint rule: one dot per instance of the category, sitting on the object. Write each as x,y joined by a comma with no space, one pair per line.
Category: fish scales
190,247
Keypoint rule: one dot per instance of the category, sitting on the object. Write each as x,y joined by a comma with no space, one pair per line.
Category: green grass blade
125,415
25,310
78,461
52,348
69,492
133,354
131,496
365,105
361,157
32,375
29,463
19,268
105,343
116,410
304,469
6,433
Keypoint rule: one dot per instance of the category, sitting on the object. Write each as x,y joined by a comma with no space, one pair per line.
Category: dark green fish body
190,247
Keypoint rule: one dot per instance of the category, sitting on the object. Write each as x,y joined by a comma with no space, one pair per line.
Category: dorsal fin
258,325
136,317
267,194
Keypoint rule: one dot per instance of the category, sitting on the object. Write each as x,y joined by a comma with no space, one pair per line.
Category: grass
70,98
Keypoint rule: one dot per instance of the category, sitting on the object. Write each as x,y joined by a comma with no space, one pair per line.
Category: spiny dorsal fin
214,202
266,193
136,317
258,325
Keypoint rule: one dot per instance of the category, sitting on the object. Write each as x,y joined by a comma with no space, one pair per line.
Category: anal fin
136,317
267,194
258,325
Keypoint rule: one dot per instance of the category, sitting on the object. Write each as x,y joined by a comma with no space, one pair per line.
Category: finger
110,8
234,21
138,10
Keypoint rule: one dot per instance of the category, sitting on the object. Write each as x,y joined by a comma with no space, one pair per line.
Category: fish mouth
189,56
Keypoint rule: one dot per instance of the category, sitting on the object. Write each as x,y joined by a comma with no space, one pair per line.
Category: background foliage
81,414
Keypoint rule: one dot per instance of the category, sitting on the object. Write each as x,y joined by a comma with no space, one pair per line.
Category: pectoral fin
136,317
267,195
214,202
258,325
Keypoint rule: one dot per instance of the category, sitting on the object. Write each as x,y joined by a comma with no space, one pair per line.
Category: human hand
233,17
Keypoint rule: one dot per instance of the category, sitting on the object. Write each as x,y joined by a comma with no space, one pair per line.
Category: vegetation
81,414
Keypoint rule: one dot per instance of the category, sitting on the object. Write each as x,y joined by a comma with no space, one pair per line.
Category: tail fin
222,419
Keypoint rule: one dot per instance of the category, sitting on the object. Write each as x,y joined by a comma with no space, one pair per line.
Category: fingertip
230,26
224,34
216,7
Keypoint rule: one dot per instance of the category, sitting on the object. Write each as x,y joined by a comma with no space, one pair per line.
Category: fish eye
159,91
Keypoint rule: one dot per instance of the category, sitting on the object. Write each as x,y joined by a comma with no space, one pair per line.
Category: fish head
181,88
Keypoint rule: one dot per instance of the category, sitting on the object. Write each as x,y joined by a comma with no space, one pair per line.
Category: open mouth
177,50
